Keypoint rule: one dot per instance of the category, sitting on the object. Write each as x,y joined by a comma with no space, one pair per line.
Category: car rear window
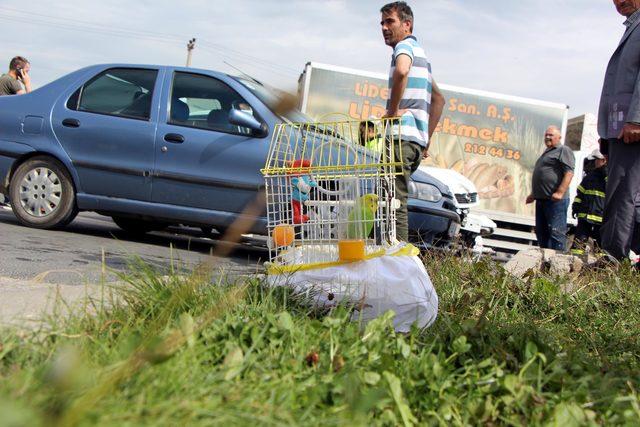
124,92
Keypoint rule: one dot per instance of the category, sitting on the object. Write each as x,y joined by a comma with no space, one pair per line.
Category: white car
464,191
465,197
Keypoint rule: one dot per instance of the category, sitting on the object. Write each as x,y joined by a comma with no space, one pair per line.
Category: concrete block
561,264
576,266
547,254
523,261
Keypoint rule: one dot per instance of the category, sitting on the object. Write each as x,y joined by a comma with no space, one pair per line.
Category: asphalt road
74,255
92,250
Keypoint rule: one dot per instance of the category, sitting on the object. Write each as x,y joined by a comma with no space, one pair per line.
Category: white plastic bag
388,282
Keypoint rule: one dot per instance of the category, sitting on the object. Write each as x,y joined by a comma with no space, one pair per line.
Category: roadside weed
185,348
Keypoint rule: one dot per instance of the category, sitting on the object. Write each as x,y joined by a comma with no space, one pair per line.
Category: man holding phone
12,84
18,76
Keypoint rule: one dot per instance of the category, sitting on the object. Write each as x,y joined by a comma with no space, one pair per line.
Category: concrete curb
25,303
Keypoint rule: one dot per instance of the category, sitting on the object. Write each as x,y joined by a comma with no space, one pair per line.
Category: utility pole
190,45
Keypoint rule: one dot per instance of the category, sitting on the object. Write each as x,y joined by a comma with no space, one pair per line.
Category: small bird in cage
302,184
362,217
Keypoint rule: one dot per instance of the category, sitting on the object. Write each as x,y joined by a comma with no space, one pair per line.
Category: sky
552,50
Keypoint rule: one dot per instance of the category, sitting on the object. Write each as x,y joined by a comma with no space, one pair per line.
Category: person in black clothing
588,206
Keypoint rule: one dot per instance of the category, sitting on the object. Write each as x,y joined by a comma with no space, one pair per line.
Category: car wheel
138,226
42,194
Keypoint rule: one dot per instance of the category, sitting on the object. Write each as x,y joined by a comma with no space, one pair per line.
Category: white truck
491,139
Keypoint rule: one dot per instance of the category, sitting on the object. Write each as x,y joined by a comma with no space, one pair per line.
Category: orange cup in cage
351,250
283,235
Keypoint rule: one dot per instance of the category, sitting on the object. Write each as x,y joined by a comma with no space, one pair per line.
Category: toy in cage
302,185
331,211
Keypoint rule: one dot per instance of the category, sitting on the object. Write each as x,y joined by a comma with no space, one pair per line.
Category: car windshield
271,97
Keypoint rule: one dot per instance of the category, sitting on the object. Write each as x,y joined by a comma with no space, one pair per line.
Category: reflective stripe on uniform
595,193
595,218
591,192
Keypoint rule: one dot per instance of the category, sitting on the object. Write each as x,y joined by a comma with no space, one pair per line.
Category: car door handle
71,123
176,138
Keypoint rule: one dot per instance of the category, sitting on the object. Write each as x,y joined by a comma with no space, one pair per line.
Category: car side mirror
244,119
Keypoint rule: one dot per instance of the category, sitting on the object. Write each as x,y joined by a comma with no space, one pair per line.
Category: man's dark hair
18,62
402,9
365,125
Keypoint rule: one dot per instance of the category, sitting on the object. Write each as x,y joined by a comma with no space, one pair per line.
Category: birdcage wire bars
330,186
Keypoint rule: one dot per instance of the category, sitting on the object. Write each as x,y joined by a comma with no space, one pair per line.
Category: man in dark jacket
588,205
619,129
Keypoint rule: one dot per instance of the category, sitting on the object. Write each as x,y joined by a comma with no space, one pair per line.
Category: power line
235,58
88,30
122,31
67,20
246,58
221,47
70,24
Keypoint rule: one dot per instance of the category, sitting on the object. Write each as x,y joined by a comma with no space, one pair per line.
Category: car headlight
422,191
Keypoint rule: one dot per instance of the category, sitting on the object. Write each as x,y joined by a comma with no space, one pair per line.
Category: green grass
179,351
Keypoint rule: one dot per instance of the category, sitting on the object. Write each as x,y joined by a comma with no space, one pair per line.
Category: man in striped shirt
414,96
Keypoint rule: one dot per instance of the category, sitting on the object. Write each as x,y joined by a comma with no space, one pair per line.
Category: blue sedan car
152,146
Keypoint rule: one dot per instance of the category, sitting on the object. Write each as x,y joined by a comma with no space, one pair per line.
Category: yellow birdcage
331,207
330,192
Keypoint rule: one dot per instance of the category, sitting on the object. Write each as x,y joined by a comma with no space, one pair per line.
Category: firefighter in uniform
588,205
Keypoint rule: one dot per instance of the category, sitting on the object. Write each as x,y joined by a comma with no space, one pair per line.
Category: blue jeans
551,223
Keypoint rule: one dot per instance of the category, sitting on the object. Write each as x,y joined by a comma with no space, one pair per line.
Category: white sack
398,283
